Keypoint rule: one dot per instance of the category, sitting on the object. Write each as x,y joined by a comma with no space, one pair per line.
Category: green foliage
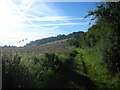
100,46
75,41
104,36
109,13
49,70
16,75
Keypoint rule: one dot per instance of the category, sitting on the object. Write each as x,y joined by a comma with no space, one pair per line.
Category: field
38,49
55,65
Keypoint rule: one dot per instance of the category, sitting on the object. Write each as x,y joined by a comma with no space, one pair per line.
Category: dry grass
38,49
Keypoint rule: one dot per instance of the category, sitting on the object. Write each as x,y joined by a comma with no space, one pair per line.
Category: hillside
50,44
56,38
39,49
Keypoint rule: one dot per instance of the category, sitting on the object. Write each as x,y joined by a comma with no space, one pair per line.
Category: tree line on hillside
6,46
56,38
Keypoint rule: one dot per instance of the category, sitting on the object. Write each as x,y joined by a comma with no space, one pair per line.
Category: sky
31,19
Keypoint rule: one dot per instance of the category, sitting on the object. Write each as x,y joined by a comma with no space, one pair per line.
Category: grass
45,70
97,70
58,68
38,49
59,41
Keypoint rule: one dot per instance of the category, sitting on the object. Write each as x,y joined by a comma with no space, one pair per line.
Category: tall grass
96,69
48,70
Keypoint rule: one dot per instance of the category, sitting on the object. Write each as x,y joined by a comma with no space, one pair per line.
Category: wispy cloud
27,4
60,24
50,18
52,28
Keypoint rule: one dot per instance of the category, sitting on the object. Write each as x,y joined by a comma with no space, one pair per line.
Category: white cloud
52,28
50,18
27,4
60,24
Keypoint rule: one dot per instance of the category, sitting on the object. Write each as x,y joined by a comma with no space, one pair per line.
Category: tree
110,13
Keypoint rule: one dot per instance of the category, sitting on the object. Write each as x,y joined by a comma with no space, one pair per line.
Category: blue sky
35,20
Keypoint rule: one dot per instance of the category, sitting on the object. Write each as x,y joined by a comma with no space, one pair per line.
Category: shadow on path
82,81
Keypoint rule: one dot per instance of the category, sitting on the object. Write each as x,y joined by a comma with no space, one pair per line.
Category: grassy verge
96,69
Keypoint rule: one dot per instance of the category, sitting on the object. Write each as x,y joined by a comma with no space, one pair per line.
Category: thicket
49,70
101,44
104,36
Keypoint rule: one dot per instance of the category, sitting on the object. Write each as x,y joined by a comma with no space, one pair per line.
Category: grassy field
73,68
59,45
54,42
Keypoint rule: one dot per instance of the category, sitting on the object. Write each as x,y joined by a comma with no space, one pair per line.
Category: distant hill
51,44
56,38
